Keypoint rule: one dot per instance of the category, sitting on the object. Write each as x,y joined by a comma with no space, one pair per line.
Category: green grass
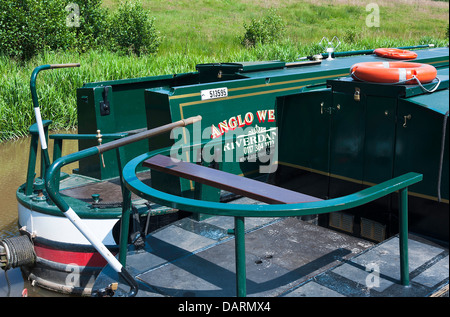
210,31
216,25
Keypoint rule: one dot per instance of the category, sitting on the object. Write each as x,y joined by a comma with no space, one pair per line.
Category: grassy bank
215,25
210,31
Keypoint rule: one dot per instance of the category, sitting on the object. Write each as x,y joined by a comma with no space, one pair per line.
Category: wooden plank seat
243,186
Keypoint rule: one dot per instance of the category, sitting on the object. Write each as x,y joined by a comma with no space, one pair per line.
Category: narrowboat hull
65,261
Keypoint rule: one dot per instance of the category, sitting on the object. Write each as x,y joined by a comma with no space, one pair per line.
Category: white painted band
37,112
386,64
90,236
402,74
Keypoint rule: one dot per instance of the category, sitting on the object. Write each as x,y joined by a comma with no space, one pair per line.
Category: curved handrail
277,210
240,211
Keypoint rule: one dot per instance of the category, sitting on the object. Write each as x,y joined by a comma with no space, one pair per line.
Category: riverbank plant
188,33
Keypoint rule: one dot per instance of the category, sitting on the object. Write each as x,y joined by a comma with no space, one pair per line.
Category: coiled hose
16,251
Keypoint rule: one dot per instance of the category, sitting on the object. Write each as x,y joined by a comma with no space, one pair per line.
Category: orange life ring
393,72
395,53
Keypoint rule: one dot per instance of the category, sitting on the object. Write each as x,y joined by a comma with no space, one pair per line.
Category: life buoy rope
395,53
395,73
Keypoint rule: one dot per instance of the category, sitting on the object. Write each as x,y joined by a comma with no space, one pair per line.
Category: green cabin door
303,142
362,138
346,144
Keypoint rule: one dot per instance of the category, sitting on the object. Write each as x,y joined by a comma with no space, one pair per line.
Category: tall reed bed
57,88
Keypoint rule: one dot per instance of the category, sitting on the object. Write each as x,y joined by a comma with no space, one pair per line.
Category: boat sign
214,93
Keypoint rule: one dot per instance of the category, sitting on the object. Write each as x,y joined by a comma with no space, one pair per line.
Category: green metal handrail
34,131
57,149
37,109
58,140
240,211
39,130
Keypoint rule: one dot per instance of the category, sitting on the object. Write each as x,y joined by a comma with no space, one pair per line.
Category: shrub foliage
131,29
268,30
28,27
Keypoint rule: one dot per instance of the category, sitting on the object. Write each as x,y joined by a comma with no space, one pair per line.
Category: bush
268,30
29,26
131,29
351,35
92,24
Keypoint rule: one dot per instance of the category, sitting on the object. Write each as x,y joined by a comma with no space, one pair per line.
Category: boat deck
82,187
286,257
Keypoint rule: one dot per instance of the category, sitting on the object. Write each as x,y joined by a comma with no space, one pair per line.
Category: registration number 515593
214,93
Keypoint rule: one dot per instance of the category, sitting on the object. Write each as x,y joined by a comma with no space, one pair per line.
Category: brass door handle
408,117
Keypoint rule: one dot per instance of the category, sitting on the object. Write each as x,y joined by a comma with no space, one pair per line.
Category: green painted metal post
124,226
57,149
31,164
57,152
403,236
126,211
45,159
241,275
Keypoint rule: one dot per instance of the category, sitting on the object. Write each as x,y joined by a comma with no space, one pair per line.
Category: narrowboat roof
248,70
346,62
437,101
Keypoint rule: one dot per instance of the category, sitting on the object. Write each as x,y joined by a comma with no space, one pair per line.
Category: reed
57,88
214,36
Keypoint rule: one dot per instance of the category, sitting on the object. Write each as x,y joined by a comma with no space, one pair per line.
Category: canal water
13,171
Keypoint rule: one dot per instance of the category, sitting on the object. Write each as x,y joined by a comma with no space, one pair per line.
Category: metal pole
124,226
147,134
126,210
241,276
403,236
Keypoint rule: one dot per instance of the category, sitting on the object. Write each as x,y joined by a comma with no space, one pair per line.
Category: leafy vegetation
29,26
131,29
182,34
268,30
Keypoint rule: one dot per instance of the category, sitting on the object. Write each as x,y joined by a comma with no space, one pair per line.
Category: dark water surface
13,171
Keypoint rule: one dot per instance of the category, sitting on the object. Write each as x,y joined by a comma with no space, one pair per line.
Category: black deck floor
285,257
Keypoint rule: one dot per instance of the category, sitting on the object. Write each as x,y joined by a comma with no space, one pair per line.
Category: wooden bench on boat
239,185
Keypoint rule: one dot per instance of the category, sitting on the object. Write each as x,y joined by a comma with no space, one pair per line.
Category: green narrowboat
325,139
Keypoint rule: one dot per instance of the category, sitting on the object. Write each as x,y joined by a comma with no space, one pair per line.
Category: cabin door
303,151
